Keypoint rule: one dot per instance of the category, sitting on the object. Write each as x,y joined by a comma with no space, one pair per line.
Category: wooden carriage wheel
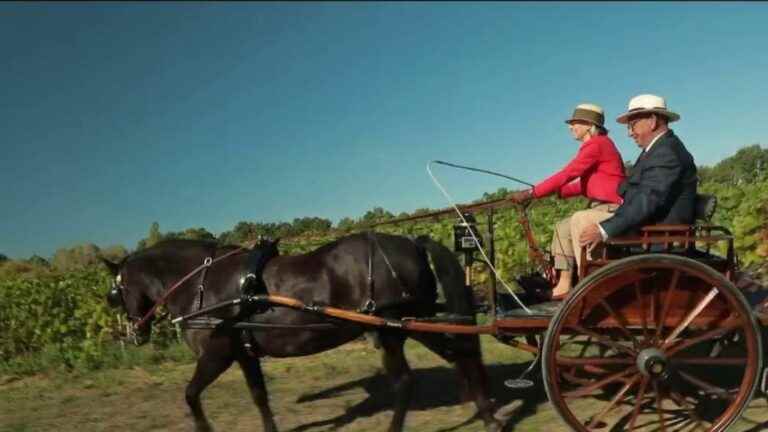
631,349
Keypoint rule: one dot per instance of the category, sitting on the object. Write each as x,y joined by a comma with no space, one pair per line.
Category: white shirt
653,141
603,234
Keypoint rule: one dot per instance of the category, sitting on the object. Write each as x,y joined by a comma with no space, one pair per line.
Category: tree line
732,180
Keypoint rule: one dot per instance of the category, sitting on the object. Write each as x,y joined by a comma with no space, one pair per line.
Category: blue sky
116,115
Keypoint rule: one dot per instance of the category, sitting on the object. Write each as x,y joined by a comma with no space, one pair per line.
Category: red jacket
595,173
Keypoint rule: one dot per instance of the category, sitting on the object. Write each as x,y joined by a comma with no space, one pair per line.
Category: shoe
559,297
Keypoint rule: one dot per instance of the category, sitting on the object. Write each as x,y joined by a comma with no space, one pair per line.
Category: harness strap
175,286
370,304
386,260
201,287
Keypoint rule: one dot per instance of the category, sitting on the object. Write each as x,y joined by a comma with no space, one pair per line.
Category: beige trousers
565,240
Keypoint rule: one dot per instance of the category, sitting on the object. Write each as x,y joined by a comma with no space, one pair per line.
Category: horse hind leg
208,368
463,351
400,373
251,367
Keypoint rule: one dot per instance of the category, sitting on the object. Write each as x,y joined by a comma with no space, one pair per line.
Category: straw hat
647,103
590,113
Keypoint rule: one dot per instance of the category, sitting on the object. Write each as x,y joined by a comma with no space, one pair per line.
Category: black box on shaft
462,237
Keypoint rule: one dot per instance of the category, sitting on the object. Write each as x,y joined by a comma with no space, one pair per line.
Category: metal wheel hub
652,363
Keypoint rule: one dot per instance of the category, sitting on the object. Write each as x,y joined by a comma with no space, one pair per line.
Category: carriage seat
670,238
704,209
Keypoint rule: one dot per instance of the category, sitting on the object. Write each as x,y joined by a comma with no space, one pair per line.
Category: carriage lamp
462,234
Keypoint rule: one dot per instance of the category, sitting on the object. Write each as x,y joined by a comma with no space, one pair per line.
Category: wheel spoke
725,328
659,401
711,361
587,389
638,402
680,401
707,387
620,395
604,340
667,304
593,361
621,321
585,347
690,317
643,318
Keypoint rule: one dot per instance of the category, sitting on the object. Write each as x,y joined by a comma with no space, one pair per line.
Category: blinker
115,297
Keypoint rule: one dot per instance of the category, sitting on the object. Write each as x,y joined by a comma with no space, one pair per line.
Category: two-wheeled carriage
655,336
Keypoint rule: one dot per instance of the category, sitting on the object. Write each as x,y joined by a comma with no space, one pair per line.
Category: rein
534,252
164,298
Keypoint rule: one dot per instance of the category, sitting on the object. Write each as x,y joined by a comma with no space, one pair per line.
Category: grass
342,389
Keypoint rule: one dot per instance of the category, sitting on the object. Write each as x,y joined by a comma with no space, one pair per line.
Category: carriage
655,336
656,328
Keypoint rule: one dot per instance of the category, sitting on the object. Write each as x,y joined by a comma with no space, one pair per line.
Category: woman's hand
520,197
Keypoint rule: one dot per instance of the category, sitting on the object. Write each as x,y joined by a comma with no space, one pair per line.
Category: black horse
386,275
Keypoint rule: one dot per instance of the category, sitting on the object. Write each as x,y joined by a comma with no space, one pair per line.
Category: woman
595,172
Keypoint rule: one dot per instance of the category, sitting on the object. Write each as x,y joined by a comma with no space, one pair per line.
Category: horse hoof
494,427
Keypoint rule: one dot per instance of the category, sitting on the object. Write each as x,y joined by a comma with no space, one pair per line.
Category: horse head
265,250
129,294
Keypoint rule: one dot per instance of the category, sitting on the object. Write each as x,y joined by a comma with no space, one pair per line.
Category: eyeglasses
632,123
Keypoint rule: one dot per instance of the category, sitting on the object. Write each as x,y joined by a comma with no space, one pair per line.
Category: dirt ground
343,389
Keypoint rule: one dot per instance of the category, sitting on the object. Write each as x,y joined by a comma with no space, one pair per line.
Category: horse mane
171,244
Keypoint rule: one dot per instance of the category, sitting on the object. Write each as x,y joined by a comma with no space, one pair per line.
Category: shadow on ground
435,387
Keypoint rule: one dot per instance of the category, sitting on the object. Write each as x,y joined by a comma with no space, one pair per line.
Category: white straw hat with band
647,103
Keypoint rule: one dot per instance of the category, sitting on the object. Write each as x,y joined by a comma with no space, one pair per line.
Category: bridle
116,295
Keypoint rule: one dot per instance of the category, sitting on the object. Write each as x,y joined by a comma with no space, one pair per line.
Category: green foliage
155,236
3,258
21,269
76,258
61,320
500,193
245,232
114,253
744,210
377,214
747,165
37,260
65,314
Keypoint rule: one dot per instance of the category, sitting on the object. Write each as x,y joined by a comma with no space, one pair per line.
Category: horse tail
450,277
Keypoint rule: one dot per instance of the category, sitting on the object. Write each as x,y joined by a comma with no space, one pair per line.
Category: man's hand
590,236
520,197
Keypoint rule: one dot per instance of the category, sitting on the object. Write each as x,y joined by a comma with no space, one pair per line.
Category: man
662,185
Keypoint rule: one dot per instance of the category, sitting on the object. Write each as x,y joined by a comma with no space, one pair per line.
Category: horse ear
112,267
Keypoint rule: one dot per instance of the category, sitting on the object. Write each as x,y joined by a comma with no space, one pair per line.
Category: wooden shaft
377,321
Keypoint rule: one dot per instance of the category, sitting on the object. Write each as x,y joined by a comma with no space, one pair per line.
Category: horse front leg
208,368
400,373
251,367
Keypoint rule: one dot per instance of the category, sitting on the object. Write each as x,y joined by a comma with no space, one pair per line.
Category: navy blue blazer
660,189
